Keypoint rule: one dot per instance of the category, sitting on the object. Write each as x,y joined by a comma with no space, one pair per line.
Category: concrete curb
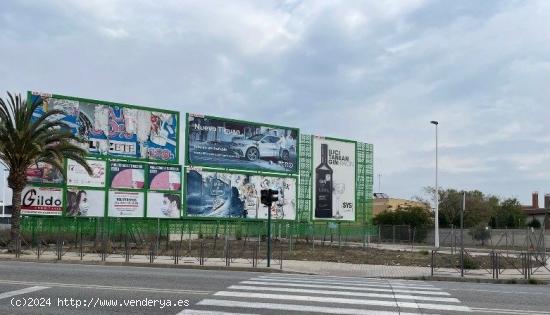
478,280
107,263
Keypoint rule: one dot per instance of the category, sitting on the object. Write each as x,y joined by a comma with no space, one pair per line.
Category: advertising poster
119,131
163,205
43,173
127,175
164,177
126,204
285,207
333,179
226,195
42,200
142,134
93,125
85,203
77,175
69,108
224,143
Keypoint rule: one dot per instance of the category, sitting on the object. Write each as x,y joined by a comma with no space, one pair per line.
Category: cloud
375,71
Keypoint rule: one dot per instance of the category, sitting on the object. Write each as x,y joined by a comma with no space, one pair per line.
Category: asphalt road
51,288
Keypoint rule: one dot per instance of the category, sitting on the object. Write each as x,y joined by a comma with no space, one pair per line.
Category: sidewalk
295,266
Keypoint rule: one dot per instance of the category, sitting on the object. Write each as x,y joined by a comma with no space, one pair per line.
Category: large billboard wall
133,152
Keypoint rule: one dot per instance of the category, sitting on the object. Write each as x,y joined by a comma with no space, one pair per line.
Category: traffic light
268,196
273,195
265,197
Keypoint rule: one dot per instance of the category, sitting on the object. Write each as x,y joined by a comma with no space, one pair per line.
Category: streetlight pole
436,239
379,188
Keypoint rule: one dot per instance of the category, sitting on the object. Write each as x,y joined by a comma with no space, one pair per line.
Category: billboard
163,205
230,195
126,204
42,200
142,133
333,179
85,203
224,143
78,176
116,130
164,177
43,173
127,175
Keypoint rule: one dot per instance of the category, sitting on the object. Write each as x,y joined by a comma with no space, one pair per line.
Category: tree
479,207
508,214
412,216
25,141
535,224
480,232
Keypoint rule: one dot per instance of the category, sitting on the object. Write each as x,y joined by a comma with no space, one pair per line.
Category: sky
373,71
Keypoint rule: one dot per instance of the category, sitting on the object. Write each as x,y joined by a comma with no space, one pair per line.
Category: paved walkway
298,266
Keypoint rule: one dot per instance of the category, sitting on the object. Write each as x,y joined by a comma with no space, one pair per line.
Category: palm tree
25,141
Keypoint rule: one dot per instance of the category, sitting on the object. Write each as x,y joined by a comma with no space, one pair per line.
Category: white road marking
496,291
22,291
298,308
346,280
105,287
353,284
347,293
305,285
400,304
204,312
507,311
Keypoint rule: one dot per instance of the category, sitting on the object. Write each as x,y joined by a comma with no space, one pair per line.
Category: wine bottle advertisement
333,179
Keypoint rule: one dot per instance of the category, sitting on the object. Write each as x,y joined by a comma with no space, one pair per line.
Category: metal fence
527,239
199,242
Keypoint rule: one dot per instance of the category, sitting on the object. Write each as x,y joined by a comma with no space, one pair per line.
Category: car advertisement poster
42,200
78,176
127,175
223,143
229,195
164,177
126,204
85,203
333,179
116,130
43,173
163,205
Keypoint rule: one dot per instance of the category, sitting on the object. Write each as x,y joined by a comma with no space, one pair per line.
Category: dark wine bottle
323,186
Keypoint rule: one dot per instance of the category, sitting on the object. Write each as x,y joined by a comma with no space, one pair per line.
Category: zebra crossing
293,293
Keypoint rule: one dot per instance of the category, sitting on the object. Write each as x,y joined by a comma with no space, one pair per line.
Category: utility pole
462,234
436,238
268,196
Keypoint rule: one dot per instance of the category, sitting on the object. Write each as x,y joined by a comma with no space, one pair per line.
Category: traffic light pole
269,235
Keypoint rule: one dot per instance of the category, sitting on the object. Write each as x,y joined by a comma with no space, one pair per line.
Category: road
55,288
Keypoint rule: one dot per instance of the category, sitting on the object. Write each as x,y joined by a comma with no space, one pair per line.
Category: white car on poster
261,146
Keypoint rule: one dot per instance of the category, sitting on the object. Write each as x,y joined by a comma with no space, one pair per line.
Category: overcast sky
374,71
